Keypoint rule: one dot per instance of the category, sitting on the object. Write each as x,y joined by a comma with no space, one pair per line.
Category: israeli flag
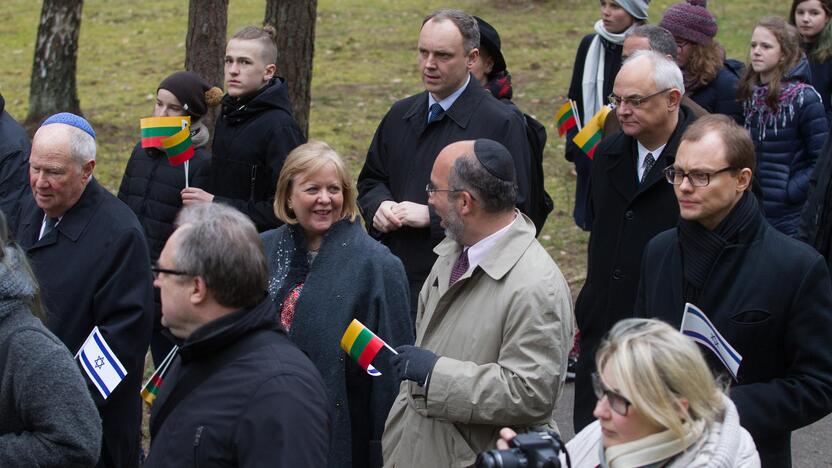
696,325
100,363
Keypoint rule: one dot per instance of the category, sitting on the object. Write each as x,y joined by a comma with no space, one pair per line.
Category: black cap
490,41
495,158
189,88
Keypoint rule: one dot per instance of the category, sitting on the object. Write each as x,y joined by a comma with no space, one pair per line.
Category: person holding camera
658,405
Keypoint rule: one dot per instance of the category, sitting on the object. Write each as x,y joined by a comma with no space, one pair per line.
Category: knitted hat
72,120
193,92
636,8
490,41
495,158
690,21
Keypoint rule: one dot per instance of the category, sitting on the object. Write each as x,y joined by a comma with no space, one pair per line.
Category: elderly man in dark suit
768,295
453,107
90,257
630,202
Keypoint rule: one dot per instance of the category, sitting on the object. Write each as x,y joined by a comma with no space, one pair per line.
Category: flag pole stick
391,349
186,174
577,116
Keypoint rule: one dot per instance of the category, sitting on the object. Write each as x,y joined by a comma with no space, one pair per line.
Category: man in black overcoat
453,107
630,202
90,257
14,167
767,294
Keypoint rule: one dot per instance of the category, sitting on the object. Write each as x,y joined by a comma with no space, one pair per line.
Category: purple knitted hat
690,21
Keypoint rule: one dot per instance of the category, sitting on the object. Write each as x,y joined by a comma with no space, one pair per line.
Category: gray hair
221,245
466,24
496,195
665,73
81,145
660,39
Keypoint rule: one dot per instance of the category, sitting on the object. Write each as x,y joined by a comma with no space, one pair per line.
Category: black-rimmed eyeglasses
633,101
697,178
156,270
617,401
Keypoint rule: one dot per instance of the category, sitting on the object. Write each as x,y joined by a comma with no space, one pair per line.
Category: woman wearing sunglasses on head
658,406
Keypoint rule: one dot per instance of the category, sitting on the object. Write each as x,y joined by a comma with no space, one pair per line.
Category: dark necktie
648,164
435,113
48,225
460,267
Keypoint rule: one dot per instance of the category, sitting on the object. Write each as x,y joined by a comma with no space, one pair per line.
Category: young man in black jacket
255,130
239,393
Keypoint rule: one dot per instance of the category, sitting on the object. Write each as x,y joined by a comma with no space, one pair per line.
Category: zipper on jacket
253,179
197,440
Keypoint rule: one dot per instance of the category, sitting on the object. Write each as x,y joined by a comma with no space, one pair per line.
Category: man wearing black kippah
494,321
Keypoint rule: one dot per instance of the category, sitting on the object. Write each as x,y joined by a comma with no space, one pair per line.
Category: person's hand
192,195
385,220
506,436
412,214
413,363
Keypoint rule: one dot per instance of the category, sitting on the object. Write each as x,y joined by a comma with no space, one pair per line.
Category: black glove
413,363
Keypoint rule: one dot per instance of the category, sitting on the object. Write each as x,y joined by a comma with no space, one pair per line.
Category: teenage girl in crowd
811,18
596,64
710,80
786,119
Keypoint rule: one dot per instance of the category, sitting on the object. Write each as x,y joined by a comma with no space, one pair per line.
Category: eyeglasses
431,190
617,402
696,178
156,270
633,101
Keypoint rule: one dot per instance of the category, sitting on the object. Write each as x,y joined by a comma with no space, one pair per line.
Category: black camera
530,449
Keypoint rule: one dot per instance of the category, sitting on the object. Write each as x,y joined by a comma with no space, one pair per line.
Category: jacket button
341,358
617,274
629,215
337,404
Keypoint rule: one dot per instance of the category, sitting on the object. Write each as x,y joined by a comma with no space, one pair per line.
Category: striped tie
435,113
460,267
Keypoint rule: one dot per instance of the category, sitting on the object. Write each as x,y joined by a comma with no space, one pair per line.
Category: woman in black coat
325,271
811,18
151,185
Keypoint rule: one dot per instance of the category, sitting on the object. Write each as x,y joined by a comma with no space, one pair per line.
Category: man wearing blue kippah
90,257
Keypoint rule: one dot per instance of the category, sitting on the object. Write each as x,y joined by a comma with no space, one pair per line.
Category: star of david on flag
100,363
696,325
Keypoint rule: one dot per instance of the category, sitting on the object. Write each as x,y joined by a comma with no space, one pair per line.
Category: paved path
811,446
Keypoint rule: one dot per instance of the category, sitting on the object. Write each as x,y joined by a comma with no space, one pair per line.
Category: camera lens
512,458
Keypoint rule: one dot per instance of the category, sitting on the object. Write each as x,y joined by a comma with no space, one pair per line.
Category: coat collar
73,223
461,112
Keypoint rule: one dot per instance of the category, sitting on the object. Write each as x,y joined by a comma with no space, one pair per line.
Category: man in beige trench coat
494,322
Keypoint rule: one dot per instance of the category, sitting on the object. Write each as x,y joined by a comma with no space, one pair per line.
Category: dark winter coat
47,418
14,164
770,297
821,79
151,188
401,157
816,219
352,277
583,165
94,270
720,95
788,144
253,136
626,216
240,394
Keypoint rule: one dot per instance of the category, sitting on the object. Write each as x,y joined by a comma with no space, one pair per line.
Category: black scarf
701,247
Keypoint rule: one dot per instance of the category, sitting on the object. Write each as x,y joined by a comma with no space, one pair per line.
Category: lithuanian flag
589,137
179,146
566,118
156,129
151,388
362,345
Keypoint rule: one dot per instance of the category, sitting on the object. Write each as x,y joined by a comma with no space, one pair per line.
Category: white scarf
651,449
592,85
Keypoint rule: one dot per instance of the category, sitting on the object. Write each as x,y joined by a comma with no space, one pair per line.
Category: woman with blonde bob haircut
325,271
658,406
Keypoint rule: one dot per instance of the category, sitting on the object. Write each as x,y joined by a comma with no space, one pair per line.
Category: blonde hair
655,367
265,36
308,159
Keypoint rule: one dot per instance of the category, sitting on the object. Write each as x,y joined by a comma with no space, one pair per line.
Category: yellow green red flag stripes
155,129
565,118
179,147
589,137
154,383
362,345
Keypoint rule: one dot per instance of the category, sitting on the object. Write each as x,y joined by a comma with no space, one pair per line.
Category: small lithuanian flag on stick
179,147
566,117
151,388
589,137
156,129
363,345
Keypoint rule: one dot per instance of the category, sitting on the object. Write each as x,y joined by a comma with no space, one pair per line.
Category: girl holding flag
151,183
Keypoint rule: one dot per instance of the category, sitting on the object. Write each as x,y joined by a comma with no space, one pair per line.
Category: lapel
72,224
620,169
461,112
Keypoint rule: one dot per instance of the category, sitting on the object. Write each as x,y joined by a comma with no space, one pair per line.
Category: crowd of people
240,274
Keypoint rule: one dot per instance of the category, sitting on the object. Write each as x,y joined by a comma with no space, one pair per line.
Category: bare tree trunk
205,47
294,21
53,88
